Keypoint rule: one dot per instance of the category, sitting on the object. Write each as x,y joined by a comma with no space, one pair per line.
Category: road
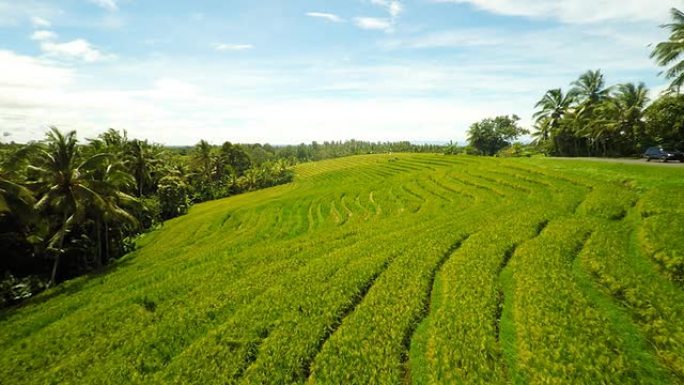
629,161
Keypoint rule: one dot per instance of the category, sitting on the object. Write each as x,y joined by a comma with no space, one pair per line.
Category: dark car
663,154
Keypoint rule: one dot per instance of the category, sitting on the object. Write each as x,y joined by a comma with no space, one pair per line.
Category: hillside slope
385,269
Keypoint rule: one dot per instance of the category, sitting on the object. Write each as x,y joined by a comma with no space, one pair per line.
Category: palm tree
114,140
552,108
16,200
110,181
65,187
141,163
251,178
669,52
628,104
589,90
542,132
204,160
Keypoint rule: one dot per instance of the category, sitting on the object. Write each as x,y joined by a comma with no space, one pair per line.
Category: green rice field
385,269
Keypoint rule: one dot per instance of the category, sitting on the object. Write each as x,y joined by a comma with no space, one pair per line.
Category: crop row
460,338
608,201
654,304
374,339
662,239
561,335
185,302
663,199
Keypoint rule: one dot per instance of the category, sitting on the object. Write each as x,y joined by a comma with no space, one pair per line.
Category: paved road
630,161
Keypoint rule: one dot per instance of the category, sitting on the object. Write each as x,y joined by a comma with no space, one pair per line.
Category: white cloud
43,35
18,71
373,23
79,49
394,7
232,47
182,103
39,22
110,5
180,110
327,16
494,71
578,11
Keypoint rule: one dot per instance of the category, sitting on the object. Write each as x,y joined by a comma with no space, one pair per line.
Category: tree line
594,119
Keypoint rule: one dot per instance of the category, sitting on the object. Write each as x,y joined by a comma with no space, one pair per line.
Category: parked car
662,154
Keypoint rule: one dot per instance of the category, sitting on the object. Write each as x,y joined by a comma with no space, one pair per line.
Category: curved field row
385,269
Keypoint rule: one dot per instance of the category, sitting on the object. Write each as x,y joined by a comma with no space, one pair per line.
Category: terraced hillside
386,269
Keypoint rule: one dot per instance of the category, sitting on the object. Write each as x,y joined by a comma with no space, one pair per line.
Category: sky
286,72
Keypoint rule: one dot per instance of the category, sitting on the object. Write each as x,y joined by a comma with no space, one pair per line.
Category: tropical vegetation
592,118
68,208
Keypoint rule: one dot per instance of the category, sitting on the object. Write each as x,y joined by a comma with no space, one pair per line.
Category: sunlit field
385,269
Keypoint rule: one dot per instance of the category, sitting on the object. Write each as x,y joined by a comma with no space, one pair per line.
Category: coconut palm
542,132
65,187
589,91
251,178
552,108
625,112
204,160
142,161
16,200
668,53
110,181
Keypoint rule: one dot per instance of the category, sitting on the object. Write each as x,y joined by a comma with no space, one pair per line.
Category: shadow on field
65,288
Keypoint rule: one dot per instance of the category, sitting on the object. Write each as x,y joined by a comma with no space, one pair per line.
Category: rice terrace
386,269
342,192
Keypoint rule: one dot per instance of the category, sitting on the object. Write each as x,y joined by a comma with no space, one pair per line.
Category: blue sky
295,71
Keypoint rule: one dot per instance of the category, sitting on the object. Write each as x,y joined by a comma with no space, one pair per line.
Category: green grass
385,269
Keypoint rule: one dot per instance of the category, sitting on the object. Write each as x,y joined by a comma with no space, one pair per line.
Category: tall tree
235,156
552,108
669,53
110,181
141,162
589,90
488,136
65,188
203,159
629,103
665,121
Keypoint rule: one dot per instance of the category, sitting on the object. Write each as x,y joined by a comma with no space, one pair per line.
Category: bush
13,289
173,197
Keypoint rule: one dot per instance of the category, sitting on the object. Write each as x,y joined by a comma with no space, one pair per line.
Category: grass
422,269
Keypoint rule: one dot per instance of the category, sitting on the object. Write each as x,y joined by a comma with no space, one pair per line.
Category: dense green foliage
336,149
68,208
384,269
593,119
489,136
